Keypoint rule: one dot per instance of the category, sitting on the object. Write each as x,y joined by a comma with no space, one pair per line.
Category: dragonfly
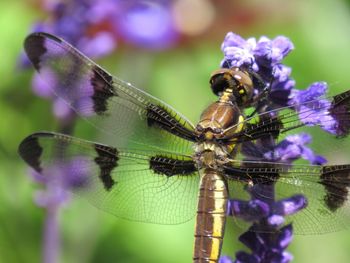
155,166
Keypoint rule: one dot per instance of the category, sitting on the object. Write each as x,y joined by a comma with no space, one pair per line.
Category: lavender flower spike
268,236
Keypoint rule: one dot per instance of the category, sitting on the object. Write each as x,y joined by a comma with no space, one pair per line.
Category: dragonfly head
233,84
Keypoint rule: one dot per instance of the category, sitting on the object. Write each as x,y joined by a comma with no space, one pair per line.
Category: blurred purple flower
74,21
92,27
148,24
57,179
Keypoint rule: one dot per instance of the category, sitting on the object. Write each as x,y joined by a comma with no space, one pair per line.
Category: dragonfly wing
149,186
326,189
332,115
125,115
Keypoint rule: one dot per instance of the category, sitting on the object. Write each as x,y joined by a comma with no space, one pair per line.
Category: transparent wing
326,189
125,115
332,114
144,186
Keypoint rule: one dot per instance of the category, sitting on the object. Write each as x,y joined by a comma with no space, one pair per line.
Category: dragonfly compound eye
243,90
221,80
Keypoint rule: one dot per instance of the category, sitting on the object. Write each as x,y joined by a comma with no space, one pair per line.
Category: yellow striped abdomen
211,217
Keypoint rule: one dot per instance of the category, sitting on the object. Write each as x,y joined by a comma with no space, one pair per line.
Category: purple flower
290,149
313,110
293,148
273,51
75,22
225,259
57,179
265,58
264,53
268,236
238,51
147,23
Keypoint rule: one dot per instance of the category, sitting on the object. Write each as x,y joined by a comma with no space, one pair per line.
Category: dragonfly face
163,169
234,84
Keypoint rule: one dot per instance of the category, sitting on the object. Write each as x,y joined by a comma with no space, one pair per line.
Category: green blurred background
320,31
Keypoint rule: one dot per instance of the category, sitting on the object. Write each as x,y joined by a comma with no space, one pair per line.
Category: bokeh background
168,48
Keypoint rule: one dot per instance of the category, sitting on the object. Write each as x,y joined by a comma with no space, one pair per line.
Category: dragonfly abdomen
211,217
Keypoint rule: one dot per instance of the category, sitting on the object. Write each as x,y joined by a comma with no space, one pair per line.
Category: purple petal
314,91
252,210
238,51
281,72
225,259
291,205
314,112
157,29
100,45
244,257
285,236
233,40
292,148
76,173
40,84
308,154
61,109
280,92
273,50
252,240
37,177
286,257
52,197
275,220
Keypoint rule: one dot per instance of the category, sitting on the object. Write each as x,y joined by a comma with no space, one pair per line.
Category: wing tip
30,150
34,46
42,35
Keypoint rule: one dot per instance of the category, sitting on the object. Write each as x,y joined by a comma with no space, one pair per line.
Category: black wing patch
326,189
31,151
107,159
158,116
125,114
169,166
102,84
340,111
145,186
335,179
336,118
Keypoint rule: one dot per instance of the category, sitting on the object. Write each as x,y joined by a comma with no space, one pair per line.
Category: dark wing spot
102,84
340,111
336,180
34,45
267,126
171,166
31,151
107,160
157,116
264,174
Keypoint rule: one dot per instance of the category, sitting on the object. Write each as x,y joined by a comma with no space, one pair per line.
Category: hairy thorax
218,123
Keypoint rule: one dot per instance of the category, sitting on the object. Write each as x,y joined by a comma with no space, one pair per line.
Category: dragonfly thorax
219,121
211,154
